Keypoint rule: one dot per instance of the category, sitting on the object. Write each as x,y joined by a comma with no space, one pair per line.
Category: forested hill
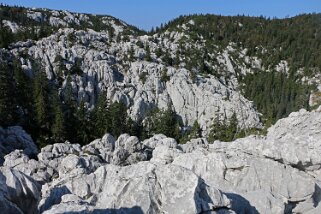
200,75
39,23
297,39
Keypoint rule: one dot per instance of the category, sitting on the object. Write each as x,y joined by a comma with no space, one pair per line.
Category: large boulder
37,170
13,138
152,188
18,192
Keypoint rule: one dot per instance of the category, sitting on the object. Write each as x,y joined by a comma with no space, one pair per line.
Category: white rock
18,192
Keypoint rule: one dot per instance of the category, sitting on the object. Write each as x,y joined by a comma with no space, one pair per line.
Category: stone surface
277,173
18,192
13,138
152,188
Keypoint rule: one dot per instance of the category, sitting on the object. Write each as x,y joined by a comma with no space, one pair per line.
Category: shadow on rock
54,197
241,205
132,210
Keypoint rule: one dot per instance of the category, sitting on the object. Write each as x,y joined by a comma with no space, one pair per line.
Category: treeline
35,30
53,115
29,28
297,39
276,94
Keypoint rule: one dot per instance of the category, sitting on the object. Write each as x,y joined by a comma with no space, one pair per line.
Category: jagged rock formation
18,192
277,173
199,73
125,65
106,68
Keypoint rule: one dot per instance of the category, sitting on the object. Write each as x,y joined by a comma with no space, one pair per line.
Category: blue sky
147,13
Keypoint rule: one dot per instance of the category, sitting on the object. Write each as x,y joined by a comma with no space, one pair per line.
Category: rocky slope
277,173
198,72
114,60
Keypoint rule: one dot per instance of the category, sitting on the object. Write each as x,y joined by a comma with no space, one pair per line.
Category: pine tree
69,109
100,116
58,125
41,100
24,95
6,37
117,120
231,130
196,130
8,105
148,54
164,122
83,125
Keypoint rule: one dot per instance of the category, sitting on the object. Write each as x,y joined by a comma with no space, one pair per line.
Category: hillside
204,114
213,72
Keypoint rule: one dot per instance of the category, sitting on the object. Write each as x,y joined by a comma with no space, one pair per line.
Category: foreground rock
153,188
13,138
18,192
277,173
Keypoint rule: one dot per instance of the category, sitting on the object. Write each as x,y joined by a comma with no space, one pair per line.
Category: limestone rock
18,192
13,138
163,154
151,188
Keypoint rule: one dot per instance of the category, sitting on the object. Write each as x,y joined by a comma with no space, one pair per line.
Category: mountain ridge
196,67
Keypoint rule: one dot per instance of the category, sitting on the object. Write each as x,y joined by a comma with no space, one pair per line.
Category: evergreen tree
83,125
58,126
196,131
6,37
148,54
24,95
231,129
41,90
69,109
8,105
217,131
100,116
165,122
117,120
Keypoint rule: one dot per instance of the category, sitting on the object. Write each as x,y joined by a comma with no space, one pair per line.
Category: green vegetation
224,130
8,103
143,77
36,30
50,117
296,39
194,132
164,76
276,94
162,121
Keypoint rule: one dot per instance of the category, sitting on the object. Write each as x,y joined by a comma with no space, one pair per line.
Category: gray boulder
18,192
13,138
152,188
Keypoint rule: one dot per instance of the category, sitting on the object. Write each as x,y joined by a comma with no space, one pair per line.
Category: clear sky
147,13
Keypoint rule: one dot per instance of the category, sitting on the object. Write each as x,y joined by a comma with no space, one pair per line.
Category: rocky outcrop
277,173
137,83
153,188
13,138
18,192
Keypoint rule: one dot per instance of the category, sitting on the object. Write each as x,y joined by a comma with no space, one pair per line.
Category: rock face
153,188
115,64
277,173
13,138
18,192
